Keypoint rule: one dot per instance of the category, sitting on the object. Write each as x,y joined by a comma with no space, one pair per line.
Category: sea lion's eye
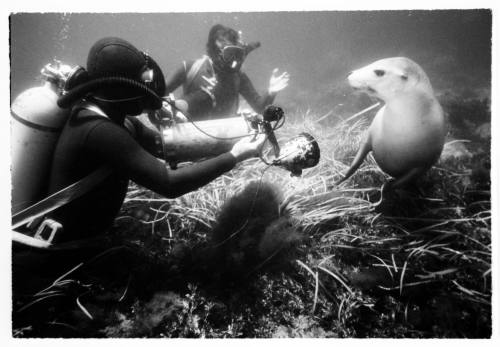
404,77
379,73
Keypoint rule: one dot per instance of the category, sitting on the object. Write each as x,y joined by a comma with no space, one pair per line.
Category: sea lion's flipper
408,177
363,151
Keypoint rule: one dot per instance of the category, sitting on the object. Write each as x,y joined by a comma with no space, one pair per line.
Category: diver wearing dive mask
226,48
212,84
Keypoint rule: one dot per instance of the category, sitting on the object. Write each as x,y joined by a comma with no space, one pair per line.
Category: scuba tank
36,122
204,139
194,141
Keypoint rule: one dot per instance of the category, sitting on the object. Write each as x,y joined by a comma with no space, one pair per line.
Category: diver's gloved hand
248,147
278,83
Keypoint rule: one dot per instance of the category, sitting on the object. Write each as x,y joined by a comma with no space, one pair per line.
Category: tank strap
34,125
85,105
61,197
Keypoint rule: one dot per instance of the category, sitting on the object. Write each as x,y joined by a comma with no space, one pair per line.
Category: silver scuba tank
36,122
192,141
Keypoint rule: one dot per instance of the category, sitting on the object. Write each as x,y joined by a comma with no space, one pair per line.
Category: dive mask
233,56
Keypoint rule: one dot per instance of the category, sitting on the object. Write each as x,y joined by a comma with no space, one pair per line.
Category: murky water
318,49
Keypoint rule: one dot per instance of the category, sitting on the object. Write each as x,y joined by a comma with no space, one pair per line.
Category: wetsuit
90,141
225,100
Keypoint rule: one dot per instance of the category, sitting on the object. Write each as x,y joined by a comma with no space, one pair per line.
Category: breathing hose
80,91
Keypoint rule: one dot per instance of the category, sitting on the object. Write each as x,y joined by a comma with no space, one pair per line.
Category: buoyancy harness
197,75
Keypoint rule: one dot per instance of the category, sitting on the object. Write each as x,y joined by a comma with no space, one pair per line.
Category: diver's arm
116,147
148,138
253,98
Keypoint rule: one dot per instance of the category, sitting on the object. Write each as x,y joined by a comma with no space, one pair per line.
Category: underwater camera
196,140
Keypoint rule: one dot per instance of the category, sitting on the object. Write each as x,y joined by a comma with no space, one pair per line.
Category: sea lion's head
389,78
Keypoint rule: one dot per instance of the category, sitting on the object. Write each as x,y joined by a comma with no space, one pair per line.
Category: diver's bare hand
278,82
248,147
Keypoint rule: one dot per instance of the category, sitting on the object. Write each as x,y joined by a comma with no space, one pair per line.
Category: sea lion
407,133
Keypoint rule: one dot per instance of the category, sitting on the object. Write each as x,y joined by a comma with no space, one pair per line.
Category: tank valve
58,74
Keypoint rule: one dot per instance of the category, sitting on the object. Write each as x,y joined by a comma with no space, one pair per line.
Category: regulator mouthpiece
301,152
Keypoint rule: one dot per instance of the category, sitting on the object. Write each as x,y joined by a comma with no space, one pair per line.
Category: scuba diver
212,84
121,82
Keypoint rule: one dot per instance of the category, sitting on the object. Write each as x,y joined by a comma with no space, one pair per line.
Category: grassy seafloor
261,254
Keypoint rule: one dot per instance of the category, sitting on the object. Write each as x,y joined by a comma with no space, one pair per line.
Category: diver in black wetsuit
99,134
213,83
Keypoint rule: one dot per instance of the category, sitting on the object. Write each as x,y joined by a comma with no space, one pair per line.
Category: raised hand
278,82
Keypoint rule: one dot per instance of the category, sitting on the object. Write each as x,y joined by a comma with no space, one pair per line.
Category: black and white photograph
234,174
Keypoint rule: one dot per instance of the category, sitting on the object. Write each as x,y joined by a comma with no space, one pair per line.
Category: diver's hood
117,72
115,57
